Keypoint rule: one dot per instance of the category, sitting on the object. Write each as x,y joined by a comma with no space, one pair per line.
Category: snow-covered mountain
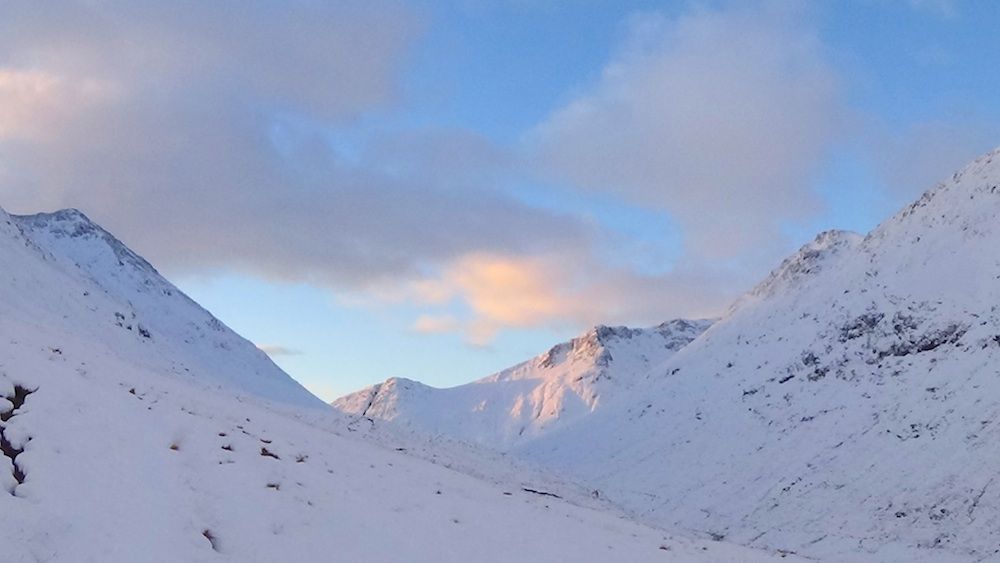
134,426
546,393
848,407
100,286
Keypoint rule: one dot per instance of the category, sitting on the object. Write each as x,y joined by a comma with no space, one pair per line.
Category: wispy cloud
436,324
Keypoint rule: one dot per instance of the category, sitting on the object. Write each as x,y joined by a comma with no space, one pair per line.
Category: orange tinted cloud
513,291
500,291
509,290
431,324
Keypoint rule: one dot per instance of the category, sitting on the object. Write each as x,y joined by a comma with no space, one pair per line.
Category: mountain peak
67,227
597,345
68,214
69,220
563,385
88,275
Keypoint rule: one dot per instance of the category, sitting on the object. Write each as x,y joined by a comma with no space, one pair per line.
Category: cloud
332,59
430,324
33,103
508,290
201,134
565,290
720,118
276,350
235,136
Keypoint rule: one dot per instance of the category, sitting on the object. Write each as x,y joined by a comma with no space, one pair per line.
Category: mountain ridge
567,382
136,427
134,298
847,407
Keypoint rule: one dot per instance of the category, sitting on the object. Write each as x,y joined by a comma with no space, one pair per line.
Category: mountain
556,389
847,408
105,289
134,426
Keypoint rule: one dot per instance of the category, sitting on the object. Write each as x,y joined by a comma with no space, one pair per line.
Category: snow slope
156,434
124,301
519,404
847,408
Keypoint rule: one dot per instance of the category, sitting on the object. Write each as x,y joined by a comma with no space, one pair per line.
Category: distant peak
684,325
597,344
71,223
400,381
834,237
69,215
396,384
813,252
604,332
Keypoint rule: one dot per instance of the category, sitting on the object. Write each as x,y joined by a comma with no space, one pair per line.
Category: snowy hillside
136,427
551,391
101,287
847,408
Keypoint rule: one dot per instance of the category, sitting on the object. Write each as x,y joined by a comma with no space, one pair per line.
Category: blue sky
437,190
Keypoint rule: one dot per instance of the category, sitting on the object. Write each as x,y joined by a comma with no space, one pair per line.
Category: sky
440,189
